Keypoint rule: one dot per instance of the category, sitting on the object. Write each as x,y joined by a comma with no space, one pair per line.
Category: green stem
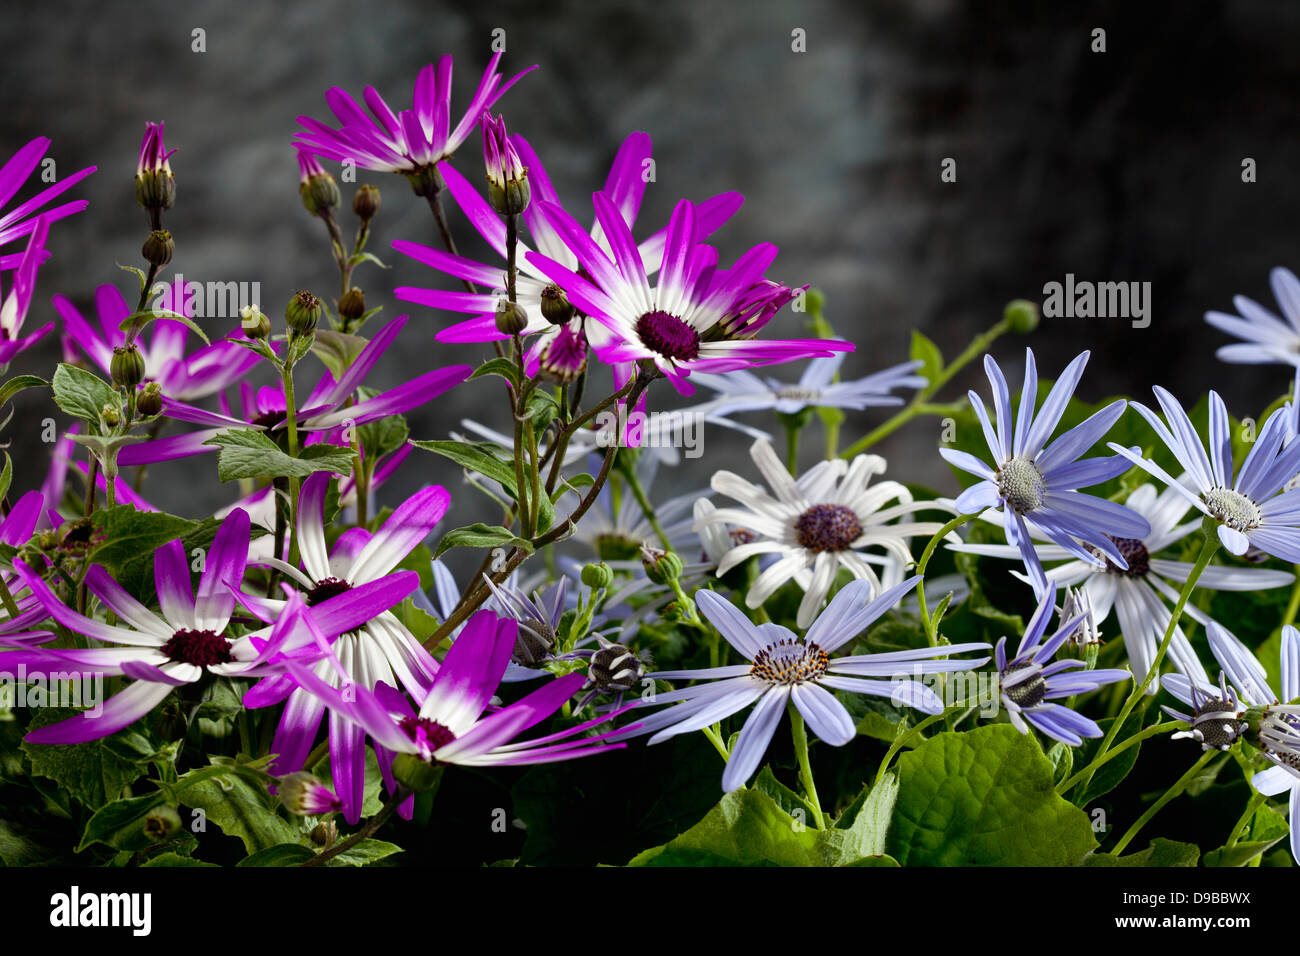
291,423
7,597
977,346
901,741
1165,798
371,825
1252,805
1097,763
1293,606
805,768
716,739
792,449
933,543
1210,545
638,492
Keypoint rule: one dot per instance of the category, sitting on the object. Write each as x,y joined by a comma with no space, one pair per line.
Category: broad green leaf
1265,829
283,854
337,350
250,454
1112,773
364,853
82,394
237,804
481,536
175,859
499,366
924,350
120,824
141,319
984,797
93,771
1161,852
746,828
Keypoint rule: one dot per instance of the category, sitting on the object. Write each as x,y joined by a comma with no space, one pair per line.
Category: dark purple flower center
325,589
203,648
427,734
1135,553
668,335
268,419
827,528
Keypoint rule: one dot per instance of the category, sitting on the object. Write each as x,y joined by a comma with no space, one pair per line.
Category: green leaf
927,352
82,394
861,830
746,828
93,771
138,273
141,319
337,350
357,258
1161,852
175,859
283,854
499,366
120,824
250,454
364,853
485,459
984,797
1265,829
239,803
6,476
1110,774
16,384
481,535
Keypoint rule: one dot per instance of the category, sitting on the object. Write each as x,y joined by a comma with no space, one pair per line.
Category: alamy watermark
53,689
684,430
976,689
205,300
1084,299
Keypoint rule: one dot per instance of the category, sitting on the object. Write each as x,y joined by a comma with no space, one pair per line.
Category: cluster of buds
507,178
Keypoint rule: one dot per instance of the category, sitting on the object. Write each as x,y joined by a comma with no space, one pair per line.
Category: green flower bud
149,403
556,307
304,795
127,366
366,202
324,834
111,416
1022,316
161,823
660,566
511,317
353,304
597,575
158,248
254,322
302,313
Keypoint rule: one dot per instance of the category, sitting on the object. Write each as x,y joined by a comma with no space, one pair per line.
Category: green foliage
246,453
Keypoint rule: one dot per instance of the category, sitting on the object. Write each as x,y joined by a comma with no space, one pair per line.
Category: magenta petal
353,608
223,569
472,669
513,720
348,764
296,732
119,711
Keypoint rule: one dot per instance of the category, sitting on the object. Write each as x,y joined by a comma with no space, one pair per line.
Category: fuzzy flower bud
127,366
254,322
161,823
303,312
556,307
353,304
150,401
511,317
597,575
660,566
159,248
1022,316
365,203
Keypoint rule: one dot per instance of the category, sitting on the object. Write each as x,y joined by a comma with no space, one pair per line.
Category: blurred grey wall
1121,166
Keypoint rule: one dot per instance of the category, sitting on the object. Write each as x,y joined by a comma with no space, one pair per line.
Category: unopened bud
319,191
111,416
660,566
615,669
511,317
353,304
366,202
556,307
1022,316
303,794
150,401
158,248
127,366
254,322
324,834
597,575
302,313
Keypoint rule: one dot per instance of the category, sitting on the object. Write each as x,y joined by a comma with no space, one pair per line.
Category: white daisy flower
830,518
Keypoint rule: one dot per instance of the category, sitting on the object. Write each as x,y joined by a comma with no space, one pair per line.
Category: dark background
1119,166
